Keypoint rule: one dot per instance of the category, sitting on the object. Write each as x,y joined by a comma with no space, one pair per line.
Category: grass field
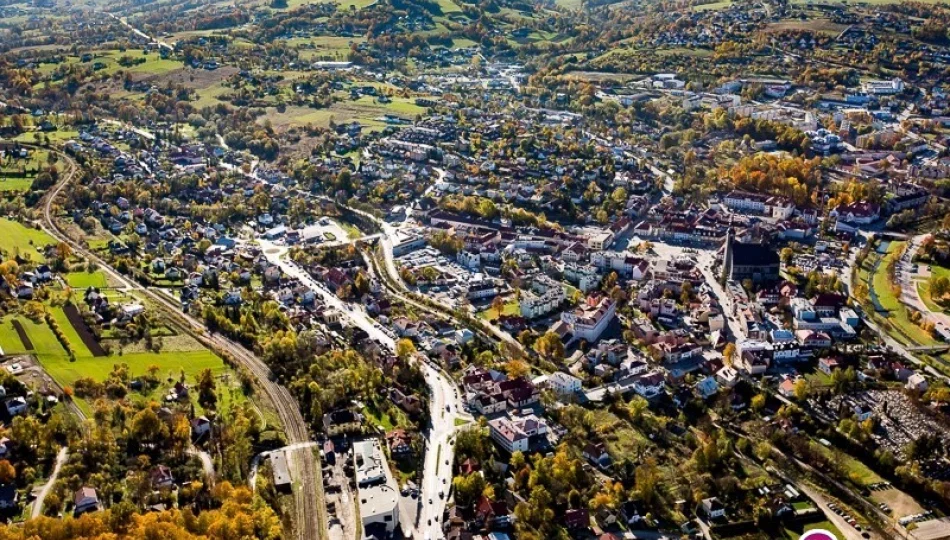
512,307
923,287
14,184
858,472
715,6
84,280
44,341
897,317
345,5
364,110
819,26
17,238
79,348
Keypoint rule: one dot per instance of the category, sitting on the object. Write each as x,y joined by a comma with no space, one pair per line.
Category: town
431,270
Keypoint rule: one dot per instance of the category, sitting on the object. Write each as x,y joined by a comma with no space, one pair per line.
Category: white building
883,88
514,434
544,296
563,383
589,320
379,500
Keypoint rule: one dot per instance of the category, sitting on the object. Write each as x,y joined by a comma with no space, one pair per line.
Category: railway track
310,520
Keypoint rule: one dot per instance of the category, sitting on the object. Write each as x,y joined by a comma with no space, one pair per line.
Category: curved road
310,512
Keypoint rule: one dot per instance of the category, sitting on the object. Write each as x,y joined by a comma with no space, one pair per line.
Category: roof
278,461
753,255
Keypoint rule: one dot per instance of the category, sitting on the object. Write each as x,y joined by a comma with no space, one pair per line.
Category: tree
147,427
550,347
729,354
758,402
468,489
206,389
405,348
7,472
801,389
517,368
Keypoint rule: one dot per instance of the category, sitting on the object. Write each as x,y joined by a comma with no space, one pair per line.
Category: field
365,110
512,307
857,472
715,6
17,238
897,317
44,341
154,64
819,26
924,287
84,280
345,5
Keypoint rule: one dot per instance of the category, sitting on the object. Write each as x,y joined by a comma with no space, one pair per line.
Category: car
430,522
430,500
441,494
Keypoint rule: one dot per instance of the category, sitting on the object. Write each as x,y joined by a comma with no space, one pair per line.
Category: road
310,511
138,32
207,464
910,293
37,509
437,472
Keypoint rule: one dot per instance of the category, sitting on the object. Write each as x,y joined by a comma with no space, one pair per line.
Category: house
399,442
577,519
493,514
828,364
632,512
707,387
161,477
649,386
597,455
787,388
564,384
282,480
713,508
16,406
9,497
757,262
917,382
86,500
200,426
342,421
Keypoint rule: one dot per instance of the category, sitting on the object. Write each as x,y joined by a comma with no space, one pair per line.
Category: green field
923,287
897,319
366,110
44,340
84,280
716,6
72,336
512,307
345,5
15,184
857,472
16,238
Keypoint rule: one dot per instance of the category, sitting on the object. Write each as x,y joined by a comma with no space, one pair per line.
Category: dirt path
37,509
24,337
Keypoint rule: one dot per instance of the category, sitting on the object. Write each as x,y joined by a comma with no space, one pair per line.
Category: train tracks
310,519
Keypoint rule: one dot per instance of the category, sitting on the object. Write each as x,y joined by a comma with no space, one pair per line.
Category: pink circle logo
818,534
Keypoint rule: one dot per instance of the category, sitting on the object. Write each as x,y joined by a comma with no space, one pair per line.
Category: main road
445,405
310,513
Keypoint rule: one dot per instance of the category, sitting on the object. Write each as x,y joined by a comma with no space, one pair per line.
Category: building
542,297
278,463
883,88
564,384
589,321
713,508
379,510
85,500
742,261
369,463
514,434
745,202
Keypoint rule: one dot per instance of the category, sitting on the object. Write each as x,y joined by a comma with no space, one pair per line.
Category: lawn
896,320
72,336
44,341
858,472
512,307
84,280
715,6
621,439
366,110
923,287
15,184
385,420
16,238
